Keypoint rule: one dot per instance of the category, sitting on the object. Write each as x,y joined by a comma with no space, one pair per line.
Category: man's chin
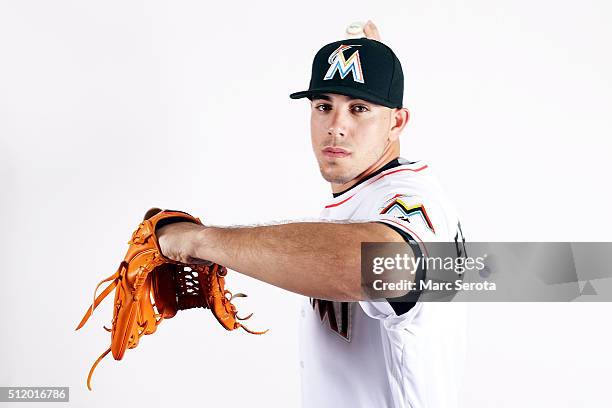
336,177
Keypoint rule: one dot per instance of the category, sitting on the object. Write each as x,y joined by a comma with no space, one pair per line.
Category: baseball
355,30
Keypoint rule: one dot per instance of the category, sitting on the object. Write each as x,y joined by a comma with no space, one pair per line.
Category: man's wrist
203,244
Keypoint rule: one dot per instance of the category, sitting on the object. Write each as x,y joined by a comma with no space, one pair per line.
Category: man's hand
177,242
371,31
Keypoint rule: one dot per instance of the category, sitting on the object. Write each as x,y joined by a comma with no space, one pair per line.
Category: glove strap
97,300
93,367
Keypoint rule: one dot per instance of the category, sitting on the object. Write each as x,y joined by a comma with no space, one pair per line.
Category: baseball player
355,352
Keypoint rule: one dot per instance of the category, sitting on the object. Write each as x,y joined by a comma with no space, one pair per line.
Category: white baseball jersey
378,354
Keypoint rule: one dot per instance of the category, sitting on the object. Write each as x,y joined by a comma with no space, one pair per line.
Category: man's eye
360,108
322,107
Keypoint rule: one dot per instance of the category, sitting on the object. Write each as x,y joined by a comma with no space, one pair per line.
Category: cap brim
346,91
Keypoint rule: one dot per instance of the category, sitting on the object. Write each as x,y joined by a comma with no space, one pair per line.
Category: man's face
348,135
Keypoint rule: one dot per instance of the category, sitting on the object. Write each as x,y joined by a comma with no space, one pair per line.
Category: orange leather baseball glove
150,287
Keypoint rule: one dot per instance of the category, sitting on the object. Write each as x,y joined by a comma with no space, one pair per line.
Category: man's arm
319,260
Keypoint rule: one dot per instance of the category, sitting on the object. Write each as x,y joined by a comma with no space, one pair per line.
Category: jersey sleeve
419,220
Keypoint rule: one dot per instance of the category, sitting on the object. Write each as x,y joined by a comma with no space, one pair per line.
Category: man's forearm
319,260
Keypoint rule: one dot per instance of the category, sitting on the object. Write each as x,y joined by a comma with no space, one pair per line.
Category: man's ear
399,119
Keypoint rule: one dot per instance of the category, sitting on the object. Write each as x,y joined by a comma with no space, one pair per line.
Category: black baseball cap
360,67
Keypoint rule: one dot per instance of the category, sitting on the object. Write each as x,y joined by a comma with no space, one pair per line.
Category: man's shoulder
410,178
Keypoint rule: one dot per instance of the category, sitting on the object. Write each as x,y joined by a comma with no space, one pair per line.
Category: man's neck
391,152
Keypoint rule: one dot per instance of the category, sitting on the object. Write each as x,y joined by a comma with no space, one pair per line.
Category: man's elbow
369,291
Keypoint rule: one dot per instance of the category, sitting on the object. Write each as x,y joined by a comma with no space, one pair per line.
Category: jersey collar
393,163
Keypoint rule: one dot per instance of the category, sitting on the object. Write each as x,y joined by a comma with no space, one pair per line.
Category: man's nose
338,125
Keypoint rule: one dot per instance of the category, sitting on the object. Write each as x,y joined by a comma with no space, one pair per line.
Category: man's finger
371,31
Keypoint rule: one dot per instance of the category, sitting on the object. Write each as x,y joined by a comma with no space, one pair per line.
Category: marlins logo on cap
345,66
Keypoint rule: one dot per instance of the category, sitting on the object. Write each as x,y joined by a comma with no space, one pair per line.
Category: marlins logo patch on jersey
344,66
398,206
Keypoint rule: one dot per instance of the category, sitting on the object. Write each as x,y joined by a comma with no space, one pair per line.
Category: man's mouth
337,152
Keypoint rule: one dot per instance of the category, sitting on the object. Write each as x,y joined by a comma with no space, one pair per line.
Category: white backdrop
510,102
